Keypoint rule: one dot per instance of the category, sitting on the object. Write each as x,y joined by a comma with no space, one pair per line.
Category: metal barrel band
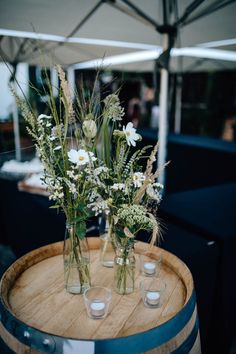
188,344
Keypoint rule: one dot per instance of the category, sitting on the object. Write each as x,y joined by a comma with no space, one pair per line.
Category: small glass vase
107,248
76,261
124,270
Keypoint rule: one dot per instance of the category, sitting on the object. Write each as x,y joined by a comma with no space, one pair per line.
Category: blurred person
229,128
134,111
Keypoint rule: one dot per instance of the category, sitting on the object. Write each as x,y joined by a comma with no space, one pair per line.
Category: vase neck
75,229
122,250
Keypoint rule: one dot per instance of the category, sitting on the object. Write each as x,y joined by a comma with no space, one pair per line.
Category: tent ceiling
51,52
60,17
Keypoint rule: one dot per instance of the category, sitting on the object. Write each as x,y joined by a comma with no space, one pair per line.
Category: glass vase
76,261
124,269
107,248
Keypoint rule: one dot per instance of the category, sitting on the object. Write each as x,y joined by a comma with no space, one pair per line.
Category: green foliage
81,229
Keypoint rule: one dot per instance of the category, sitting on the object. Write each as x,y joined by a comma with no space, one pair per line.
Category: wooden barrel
38,315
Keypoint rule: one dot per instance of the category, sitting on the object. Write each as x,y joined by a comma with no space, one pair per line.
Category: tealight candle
97,308
153,297
149,268
97,300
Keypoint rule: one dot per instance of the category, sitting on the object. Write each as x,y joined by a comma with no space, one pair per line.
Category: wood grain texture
32,289
14,344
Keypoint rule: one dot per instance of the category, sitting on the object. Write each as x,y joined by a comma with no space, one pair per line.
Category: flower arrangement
65,145
91,167
129,196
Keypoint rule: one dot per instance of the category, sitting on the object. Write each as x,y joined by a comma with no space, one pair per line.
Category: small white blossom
153,191
55,188
118,186
80,157
130,134
71,174
135,217
57,148
113,108
158,185
41,117
138,179
99,206
73,189
56,195
57,130
93,196
100,169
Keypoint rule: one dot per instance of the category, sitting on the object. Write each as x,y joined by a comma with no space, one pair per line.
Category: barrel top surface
33,291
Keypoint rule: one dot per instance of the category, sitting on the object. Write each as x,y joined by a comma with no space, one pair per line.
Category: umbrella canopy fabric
81,24
110,21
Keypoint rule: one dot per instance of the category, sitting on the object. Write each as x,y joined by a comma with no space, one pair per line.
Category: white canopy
98,29
76,31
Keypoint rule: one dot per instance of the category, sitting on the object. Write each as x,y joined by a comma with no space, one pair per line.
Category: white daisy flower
138,179
80,157
130,134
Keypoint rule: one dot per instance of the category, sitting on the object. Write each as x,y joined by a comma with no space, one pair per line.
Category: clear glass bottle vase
107,248
76,261
124,270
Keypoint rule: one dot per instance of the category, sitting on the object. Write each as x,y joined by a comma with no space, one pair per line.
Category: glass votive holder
97,300
152,292
150,267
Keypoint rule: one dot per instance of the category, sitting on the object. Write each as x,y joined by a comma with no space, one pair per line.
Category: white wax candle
153,297
149,267
97,308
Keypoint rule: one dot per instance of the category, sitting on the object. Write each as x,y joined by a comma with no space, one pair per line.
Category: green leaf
81,230
54,207
81,206
80,218
120,233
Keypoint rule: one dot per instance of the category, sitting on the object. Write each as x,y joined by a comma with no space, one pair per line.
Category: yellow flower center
81,158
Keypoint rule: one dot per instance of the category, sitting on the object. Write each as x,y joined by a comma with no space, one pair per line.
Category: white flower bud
89,128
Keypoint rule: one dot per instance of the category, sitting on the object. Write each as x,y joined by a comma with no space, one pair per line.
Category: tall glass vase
107,248
76,260
124,269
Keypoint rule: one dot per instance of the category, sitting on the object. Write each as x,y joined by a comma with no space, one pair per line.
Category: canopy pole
163,123
71,81
16,127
